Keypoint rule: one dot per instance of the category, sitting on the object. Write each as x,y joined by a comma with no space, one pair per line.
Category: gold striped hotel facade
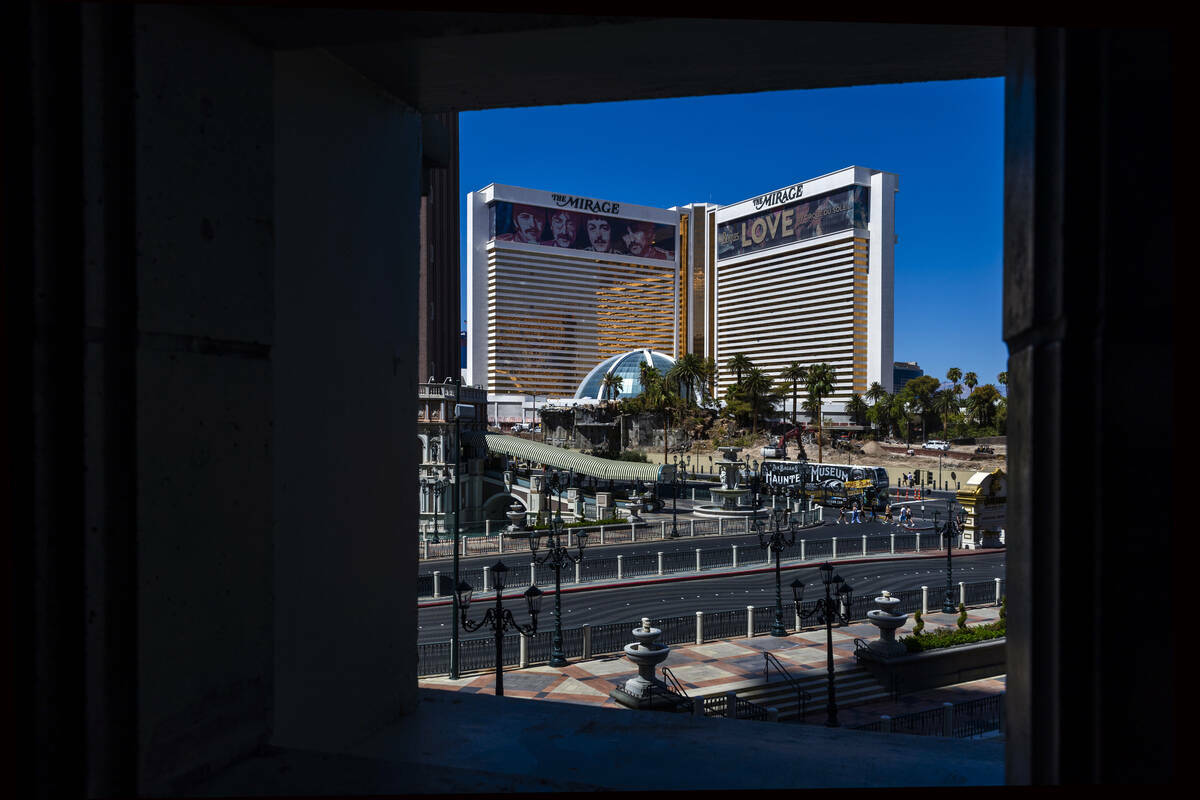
541,317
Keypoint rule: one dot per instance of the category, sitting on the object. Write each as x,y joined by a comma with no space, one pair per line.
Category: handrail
770,659
681,702
863,651
673,682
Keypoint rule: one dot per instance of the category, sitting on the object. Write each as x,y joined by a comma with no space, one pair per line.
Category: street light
953,526
776,541
827,610
434,488
679,480
499,618
557,556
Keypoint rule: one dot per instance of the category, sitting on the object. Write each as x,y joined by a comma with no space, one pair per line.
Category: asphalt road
829,529
598,606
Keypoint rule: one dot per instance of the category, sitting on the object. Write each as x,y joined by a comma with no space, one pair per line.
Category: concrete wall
347,199
204,281
940,667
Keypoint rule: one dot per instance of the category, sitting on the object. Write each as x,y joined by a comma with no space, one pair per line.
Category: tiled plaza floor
731,664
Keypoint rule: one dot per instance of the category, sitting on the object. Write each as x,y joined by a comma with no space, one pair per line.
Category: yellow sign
863,484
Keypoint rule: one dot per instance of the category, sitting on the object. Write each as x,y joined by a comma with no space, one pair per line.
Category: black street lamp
433,490
777,541
953,526
499,618
677,482
557,556
827,610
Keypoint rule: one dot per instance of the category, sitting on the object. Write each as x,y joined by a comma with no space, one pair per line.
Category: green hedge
949,637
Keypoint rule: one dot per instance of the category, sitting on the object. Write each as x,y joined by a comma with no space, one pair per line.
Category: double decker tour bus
829,484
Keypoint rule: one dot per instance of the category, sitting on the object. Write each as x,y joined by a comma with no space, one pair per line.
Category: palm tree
610,387
1002,378
795,374
739,364
688,370
820,382
757,388
656,396
708,377
880,411
971,380
945,403
856,407
954,374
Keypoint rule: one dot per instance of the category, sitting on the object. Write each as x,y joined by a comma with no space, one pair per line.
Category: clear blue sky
944,140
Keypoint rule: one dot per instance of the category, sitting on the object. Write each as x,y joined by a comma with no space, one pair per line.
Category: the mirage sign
777,222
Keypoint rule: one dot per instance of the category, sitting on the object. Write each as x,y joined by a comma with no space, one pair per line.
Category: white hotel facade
803,273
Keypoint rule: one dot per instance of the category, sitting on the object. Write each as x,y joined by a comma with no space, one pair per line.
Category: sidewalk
729,665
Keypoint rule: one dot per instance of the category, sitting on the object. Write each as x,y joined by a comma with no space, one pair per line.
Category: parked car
936,444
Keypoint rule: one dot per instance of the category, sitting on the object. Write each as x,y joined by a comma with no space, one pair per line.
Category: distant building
558,283
903,372
436,430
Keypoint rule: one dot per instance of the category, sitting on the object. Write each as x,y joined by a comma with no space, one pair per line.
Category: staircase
853,684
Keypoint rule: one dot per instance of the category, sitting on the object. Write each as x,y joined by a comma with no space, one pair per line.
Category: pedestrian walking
841,520
887,514
854,517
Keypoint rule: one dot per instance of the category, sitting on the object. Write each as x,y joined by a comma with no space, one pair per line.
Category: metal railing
718,706
802,696
963,720
607,638
673,682
497,543
601,568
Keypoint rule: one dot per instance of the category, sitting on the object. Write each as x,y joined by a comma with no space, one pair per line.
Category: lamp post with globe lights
952,527
835,605
499,618
777,539
557,556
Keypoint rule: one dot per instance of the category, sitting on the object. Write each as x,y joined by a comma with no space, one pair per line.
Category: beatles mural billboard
578,223
782,218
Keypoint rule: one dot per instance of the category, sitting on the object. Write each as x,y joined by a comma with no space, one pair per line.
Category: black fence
969,718
479,653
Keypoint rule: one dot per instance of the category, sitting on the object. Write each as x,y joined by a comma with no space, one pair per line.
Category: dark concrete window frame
1088,282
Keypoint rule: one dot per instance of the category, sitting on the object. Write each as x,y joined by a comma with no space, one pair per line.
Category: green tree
610,387
876,393
709,377
688,371
954,374
919,397
758,390
659,395
1002,378
857,408
820,382
981,404
880,412
945,404
795,374
739,364
971,380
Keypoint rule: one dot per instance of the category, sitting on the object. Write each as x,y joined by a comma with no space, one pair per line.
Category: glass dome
629,367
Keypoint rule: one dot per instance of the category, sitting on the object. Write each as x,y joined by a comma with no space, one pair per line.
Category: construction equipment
778,449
